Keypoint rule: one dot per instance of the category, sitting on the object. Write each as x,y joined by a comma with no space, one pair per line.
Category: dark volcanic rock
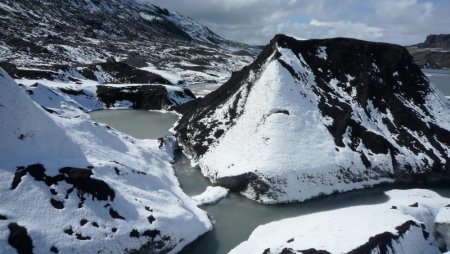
364,110
383,242
144,97
79,178
19,239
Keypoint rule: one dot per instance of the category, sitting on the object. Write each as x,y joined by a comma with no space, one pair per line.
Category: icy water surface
202,89
140,124
441,78
234,217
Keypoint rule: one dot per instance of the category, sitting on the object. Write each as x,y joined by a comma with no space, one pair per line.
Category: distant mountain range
52,35
434,52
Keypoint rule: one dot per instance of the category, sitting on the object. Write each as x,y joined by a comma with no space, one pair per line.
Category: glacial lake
202,89
140,124
440,78
234,217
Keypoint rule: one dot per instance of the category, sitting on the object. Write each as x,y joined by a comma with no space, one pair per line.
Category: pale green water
441,78
140,124
234,217
202,89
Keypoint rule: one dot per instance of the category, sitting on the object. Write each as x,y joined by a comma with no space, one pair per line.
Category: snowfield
68,184
402,225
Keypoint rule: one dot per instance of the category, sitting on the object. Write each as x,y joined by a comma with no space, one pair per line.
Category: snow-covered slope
442,227
70,185
403,225
47,34
314,117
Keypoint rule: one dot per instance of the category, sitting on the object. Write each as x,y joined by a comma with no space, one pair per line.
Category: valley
128,127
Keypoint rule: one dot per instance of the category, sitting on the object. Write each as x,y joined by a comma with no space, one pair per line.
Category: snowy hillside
74,99
70,185
314,117
52,34
403,225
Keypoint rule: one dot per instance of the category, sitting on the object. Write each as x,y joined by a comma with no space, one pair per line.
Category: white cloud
348,29
257,21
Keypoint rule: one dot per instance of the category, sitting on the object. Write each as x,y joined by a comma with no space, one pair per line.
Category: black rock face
19,239
383,77
79,178
148,97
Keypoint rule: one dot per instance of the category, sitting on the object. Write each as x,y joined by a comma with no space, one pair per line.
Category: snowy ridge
40,35
304,106
87,187
402,225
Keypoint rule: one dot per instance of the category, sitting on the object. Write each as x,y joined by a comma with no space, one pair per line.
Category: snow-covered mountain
309,118
51,34
69,185
406,224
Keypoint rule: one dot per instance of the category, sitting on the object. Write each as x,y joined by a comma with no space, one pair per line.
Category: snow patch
322,53
211,195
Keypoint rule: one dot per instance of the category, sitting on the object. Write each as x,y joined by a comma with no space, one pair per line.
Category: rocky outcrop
314,117
434,52
436,41
146,97
70,100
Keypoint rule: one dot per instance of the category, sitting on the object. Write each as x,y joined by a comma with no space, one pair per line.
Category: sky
255,22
